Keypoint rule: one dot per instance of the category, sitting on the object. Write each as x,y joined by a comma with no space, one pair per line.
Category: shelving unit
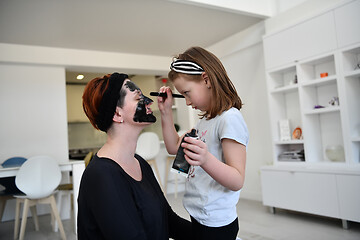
284,99
298,93
350,66
315,87
324,123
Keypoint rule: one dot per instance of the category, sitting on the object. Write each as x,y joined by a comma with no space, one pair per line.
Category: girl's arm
171,138
230,174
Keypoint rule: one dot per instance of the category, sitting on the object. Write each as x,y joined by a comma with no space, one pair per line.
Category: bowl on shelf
335,153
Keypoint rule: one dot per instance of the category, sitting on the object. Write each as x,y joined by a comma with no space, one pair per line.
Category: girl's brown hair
92,96
224,95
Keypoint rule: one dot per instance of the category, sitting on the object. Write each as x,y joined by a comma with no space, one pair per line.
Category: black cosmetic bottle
180,165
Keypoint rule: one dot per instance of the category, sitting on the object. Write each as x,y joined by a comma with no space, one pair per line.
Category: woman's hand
165,103
196,153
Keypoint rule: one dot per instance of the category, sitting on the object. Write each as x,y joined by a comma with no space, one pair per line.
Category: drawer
300,191
349,196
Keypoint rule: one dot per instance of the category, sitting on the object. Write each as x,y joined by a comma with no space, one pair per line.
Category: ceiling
152,27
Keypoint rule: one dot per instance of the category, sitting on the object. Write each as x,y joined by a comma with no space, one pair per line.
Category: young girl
218,158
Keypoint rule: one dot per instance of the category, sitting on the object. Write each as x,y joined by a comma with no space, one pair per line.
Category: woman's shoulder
142,161
100,165
97,162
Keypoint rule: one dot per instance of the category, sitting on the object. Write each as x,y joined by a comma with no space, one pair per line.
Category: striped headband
187,67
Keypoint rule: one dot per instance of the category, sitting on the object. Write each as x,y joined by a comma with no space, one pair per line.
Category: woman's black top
113,205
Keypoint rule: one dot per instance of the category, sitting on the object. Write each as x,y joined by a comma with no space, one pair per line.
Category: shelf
319,92
285,105
311,70
286,89
289,142
352,100
355,73
350,60
340,168
319,60
320,81
282,79
287,146
291,162
323,110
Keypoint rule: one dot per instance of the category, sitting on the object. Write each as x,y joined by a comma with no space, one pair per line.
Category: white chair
38,177
169,161
66,190
7,184
148,147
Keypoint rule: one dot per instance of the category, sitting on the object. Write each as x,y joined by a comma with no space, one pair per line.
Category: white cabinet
315,88
320,94
349,196
347,20
330,193
303,40
350,67
320,198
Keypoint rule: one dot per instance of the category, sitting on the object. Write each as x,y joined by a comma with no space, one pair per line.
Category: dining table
76,167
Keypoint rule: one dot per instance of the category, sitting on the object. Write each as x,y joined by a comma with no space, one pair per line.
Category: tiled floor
256,223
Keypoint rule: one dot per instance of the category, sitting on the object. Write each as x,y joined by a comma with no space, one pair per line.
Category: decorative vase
335,153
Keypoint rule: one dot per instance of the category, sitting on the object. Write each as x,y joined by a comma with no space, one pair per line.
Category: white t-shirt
206,200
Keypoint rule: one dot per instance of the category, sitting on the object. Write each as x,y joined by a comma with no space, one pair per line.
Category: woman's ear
206,79
117,115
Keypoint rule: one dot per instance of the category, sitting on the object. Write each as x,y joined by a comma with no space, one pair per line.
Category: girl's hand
231,173
165,103
196,153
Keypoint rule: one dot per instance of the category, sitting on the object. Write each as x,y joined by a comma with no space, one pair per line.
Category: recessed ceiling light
80,77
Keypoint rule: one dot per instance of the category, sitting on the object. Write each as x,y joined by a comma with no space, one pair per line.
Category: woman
119,197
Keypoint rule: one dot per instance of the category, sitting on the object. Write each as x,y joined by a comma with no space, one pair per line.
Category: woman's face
132,101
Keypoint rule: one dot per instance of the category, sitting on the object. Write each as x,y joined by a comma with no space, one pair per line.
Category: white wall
33,96
246,69
302,11
84,60
33,112
243,58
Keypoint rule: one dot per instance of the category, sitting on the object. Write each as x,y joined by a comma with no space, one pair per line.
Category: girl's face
197,93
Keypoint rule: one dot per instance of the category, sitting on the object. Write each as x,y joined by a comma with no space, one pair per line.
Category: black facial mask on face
140,113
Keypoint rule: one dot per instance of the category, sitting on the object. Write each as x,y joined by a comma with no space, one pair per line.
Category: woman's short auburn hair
92,96
224,94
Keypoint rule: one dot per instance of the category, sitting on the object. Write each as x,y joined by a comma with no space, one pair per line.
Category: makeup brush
163,94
